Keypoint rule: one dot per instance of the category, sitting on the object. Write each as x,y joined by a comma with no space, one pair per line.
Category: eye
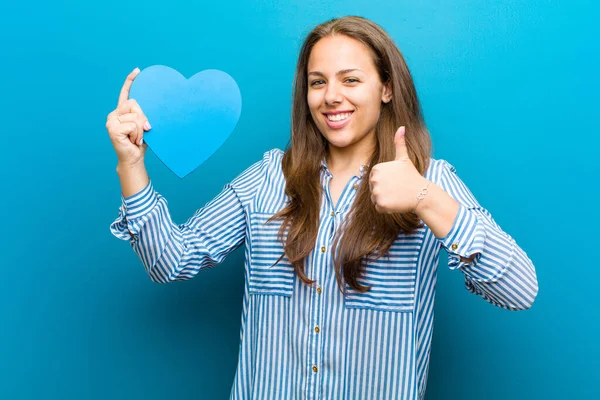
351,80
317,82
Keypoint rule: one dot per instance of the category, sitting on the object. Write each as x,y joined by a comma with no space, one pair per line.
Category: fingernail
136,69
147,125
141,141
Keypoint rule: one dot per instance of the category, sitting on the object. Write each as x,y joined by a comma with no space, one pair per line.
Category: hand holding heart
395,184
126,126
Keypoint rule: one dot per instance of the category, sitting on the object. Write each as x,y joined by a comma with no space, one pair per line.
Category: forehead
334,53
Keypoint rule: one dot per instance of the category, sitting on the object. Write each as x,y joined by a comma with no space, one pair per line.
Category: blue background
510,93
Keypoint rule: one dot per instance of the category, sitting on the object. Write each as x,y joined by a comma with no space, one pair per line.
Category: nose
333,94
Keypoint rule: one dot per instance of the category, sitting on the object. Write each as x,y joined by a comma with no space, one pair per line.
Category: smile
338,120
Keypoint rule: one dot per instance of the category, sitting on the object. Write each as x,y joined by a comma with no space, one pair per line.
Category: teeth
338,117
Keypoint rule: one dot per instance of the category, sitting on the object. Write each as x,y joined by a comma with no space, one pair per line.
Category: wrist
437,210
133,178
128,168
422,192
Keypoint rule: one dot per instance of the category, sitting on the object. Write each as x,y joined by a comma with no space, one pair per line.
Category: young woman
342,230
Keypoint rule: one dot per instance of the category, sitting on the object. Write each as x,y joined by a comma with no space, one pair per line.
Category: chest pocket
392,278
266,277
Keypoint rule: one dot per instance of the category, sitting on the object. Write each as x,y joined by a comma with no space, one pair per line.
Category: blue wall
510,93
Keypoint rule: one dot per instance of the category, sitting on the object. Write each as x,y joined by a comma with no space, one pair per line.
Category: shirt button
323,249
454,246
332,214
315,369
319,290
355,186
317,329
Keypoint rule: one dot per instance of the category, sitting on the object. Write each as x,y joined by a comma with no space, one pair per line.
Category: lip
337,124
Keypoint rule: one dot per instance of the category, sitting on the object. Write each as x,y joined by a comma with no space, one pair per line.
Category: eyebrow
342,72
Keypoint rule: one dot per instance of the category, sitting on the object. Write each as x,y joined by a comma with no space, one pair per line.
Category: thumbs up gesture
395,185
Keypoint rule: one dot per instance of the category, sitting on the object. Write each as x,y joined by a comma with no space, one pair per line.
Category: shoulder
274,155
255,174
271,161
261,186
437,169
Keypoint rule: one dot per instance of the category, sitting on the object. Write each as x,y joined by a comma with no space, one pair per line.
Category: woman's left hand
395,185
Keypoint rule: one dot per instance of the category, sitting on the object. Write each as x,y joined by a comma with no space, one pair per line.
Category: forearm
133,178
495,267
173,251
170,251
438,210
503,274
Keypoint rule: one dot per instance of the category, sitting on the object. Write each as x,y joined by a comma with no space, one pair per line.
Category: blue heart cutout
190,118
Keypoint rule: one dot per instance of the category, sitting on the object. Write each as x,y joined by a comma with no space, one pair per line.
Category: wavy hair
365,233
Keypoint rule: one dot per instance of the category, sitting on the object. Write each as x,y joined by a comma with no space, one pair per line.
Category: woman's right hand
126,126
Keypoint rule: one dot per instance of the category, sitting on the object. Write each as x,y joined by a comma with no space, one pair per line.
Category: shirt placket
322,266
319,260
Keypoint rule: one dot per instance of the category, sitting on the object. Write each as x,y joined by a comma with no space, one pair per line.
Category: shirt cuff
132,209
139,204
466,237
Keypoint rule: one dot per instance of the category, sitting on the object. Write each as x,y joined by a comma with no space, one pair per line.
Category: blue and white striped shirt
301,342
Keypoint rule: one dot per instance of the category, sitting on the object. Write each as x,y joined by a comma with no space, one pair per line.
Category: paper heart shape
190,118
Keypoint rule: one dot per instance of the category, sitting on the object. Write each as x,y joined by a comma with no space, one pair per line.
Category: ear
386,95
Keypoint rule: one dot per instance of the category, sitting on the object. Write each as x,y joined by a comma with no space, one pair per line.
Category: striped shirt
311,342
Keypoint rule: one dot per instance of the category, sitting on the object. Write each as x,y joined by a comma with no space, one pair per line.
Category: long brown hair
365,233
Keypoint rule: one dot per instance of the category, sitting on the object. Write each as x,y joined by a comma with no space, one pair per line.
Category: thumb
400,144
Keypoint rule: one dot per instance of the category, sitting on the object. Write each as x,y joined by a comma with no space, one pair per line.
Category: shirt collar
363,168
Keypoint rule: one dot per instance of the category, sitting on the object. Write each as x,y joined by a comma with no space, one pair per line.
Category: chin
342,138
339,142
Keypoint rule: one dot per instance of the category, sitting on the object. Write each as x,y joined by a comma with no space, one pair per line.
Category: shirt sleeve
170,251
501,271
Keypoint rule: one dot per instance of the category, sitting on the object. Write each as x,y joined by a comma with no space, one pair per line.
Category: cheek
366,99
372,103
313,100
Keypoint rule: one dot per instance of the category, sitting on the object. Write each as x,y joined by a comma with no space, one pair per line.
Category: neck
348,160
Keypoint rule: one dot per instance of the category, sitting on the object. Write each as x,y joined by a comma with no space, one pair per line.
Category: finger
371,179
124,95
111,115
373,182
142,122
132,107
128,106
400,144
121,125
131,111
129,130
127,117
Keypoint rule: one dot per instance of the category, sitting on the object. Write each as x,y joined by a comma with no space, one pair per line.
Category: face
345,92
